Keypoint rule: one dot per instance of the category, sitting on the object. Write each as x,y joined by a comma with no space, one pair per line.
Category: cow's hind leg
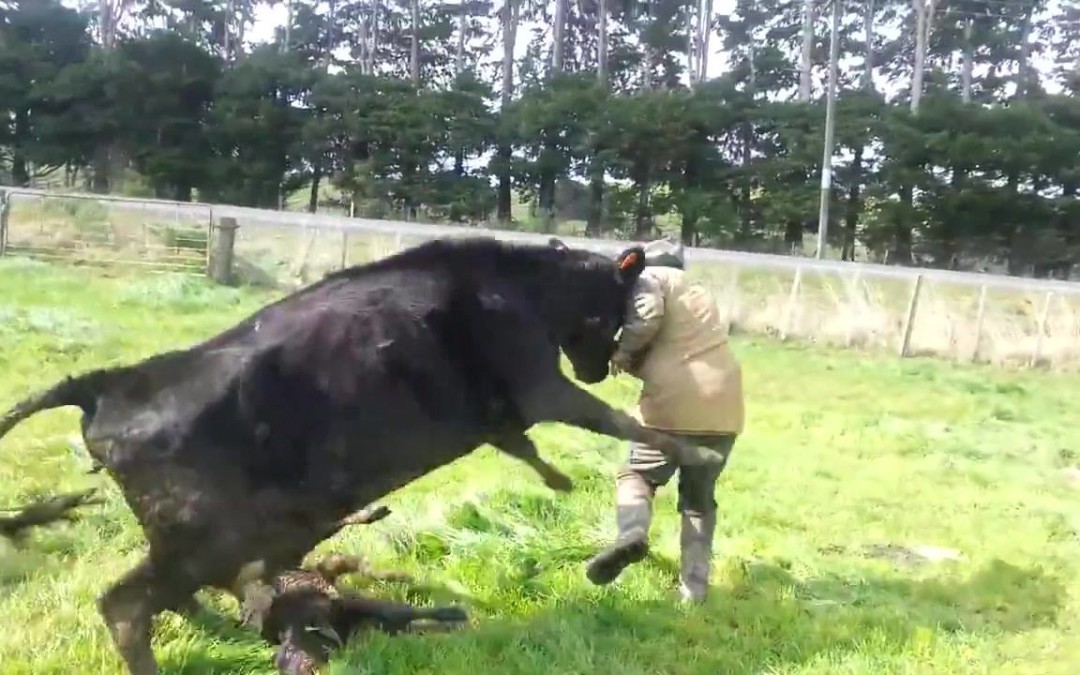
522,447
129,606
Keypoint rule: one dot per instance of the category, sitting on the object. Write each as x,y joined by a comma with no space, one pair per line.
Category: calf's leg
337,565
128,607
392,617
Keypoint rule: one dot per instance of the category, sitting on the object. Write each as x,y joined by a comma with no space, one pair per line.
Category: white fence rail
962,315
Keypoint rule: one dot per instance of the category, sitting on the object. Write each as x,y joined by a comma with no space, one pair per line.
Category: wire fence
914,311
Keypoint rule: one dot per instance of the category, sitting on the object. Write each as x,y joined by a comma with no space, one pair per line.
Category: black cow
239,454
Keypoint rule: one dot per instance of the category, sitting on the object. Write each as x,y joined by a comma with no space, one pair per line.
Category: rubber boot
695,555
633,497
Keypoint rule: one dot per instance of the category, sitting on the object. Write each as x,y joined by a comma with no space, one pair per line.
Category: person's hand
621,362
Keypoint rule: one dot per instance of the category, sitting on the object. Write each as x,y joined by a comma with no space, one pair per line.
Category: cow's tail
77,391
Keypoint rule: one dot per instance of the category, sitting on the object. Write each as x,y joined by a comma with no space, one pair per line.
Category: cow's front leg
520,446
559,400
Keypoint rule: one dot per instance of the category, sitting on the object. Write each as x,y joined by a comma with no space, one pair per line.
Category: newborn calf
308,616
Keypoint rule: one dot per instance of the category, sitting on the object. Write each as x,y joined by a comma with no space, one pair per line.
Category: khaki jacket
674,341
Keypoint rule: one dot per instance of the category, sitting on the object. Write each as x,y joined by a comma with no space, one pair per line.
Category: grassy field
850,462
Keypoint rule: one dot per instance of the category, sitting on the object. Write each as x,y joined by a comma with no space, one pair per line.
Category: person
675,342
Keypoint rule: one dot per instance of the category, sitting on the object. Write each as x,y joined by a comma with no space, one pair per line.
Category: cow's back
360,385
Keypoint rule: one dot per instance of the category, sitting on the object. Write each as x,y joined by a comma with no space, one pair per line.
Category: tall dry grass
853,310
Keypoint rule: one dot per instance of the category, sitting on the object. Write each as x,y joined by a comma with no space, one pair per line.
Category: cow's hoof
559,482
376,513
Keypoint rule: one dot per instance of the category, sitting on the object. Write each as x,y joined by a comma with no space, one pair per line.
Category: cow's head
590,306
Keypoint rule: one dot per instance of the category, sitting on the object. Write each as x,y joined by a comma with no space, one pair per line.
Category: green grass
843,452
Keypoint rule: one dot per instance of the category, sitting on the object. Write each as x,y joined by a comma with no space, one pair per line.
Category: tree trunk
100,169
901,244
688,230
1023,75
414,59
691,46
313,195
923,13
854,206
647,62
373,39
558,37
548,177
868,47
704,33
602,44
20,170
805,62
463,30
642,217
505,152
594,221
854,201
969,61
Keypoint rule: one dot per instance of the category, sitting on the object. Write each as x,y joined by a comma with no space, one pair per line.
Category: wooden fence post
222,263
1044,315
793,298
733,295
344,248
856,288
909,321
980,315
5,213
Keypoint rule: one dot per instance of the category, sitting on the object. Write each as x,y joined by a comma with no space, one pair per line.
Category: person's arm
644,314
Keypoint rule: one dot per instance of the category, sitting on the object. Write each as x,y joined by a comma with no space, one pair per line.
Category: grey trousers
697,484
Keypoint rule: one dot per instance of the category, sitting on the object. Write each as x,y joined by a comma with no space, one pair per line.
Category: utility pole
830,128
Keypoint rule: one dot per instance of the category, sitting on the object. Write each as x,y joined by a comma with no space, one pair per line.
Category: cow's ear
631,262
557,244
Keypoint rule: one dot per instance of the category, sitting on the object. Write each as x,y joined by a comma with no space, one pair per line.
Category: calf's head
589,306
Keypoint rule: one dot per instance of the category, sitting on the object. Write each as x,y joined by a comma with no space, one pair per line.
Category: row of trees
952,148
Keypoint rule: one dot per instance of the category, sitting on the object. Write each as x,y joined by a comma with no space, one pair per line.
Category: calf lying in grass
308,616
45,512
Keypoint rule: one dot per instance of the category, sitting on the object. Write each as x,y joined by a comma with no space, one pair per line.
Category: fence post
856,290
209,240
5,213
793,298
344,248
1044,315
909,321
733,294
980,315
221,267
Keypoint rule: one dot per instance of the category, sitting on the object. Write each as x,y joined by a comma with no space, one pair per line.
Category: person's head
665,253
